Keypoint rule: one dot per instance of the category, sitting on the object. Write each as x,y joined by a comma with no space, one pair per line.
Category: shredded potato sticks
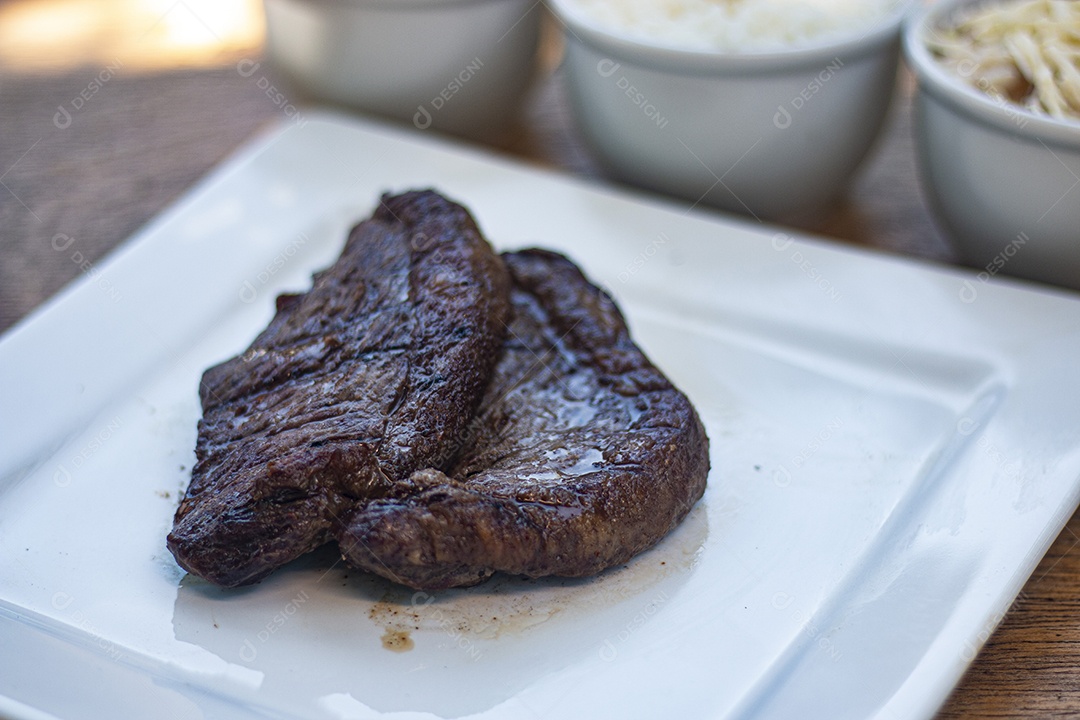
1027,52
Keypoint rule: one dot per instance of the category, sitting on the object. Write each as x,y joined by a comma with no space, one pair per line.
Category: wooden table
143,137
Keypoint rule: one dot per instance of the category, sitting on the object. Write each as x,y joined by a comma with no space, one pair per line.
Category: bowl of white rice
762,107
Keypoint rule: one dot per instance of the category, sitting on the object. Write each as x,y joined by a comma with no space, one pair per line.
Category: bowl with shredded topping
998,131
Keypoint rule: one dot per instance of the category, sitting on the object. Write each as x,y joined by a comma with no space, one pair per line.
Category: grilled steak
582,453
355,385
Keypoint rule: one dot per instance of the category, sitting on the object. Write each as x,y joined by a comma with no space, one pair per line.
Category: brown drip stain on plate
397,640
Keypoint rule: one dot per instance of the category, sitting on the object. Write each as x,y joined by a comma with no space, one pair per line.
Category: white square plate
894,447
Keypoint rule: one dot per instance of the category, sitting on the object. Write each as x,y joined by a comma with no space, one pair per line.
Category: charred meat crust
355,385
443,414
581,456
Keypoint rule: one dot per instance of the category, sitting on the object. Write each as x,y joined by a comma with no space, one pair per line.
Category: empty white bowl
461,66
1003,182
773,135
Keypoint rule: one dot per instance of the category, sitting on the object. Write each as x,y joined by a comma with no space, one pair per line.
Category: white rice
736,25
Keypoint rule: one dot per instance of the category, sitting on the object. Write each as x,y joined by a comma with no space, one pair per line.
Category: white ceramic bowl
1003,182
461,66
774,135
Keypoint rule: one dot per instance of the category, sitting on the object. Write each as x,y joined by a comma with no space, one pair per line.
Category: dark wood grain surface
143,138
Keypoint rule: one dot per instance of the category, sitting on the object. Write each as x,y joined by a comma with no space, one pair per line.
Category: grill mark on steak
352,387
583,453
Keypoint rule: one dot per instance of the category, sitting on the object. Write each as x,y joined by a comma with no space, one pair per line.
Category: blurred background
110,109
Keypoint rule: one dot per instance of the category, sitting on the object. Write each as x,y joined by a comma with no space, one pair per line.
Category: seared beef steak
371,375
582,453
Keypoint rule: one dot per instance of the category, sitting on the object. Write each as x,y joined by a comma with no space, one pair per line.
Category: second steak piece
582,455
372,374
